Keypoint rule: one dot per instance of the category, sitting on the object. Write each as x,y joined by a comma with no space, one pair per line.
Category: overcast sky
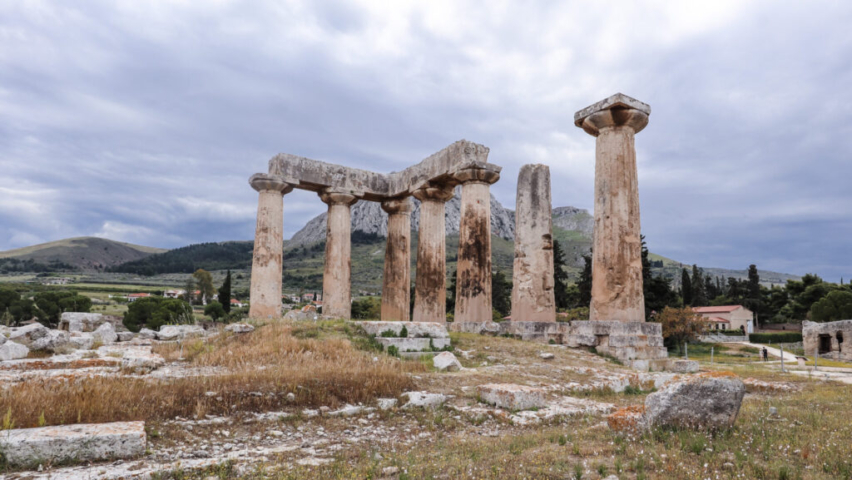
142,121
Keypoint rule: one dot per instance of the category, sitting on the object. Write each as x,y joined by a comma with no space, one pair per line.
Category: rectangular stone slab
84,442
513,397
413,344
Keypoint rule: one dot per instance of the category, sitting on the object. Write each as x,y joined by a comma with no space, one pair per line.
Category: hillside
82,253
210,256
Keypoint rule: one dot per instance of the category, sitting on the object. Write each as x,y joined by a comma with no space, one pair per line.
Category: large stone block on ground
239,328
81,322
513,397
682,366
141,361
415,329
179,332
424,399
482,328
81,340
80,443
627,420
13,351
710,400
105,334
446,361
28,334
414,344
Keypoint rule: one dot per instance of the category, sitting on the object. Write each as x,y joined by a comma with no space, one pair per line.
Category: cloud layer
141,121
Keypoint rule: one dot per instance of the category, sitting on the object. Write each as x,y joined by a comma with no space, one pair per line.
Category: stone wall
830,338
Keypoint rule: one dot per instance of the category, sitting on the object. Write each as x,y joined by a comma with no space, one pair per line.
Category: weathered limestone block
446,362
10,350
616,255
430,298
105,334
682,366
54,341
81,443
141,362
80,322
337,297
146,334
414,329
267,266
830,339
29,333
239,328
708,400
396,281
179,332
424,399
473,282
82,340
532,288
125,336
414,344
512,397
627,419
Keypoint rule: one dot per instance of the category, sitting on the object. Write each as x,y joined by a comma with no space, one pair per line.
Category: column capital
338,197
397,206
478,173
265,182
615,111
435,192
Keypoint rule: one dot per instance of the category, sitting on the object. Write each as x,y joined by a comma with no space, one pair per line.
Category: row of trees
46,307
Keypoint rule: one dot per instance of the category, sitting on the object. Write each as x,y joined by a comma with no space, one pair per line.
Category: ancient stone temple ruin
828,340
432,182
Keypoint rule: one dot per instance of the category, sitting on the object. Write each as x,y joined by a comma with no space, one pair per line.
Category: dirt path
788,357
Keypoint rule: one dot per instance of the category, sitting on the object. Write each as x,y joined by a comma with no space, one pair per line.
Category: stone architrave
617,250
532,279
473,277
396,281
336,286
430,290
267,267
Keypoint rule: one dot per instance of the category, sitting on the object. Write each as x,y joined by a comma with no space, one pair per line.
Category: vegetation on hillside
209,256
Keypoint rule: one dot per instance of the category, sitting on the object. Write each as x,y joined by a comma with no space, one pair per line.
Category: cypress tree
585,282
699,296
501,293
225,293
685,288
560,277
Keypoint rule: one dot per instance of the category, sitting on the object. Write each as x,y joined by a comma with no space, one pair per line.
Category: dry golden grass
261,368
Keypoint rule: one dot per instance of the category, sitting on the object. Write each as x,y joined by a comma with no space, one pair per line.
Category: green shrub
404,332
388,334
154,312
393,351
781,337
215,310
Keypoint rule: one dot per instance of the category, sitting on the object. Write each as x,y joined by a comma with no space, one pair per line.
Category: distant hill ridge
84,253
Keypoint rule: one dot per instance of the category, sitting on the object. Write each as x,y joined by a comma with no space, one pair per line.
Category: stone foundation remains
830,339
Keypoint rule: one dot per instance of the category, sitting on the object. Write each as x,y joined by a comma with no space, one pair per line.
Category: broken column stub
473,272
336,284
532,280
396,281
617,251
430,299
266,270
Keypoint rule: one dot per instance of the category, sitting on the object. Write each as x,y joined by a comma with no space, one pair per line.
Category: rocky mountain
83,253
368,217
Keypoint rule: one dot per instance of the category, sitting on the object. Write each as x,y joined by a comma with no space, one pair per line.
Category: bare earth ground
224,411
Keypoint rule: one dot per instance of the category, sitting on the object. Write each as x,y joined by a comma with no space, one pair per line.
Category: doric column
617,250
430,289
473,272
336,287
266,266
396,281
532,278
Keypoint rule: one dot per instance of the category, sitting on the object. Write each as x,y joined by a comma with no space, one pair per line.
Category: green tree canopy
215,310
837,305
204,281
154,312
560,278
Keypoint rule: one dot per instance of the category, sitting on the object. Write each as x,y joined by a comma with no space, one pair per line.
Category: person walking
765,354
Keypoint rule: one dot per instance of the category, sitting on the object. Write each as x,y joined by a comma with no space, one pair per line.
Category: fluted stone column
473,281
533,298
396,281
617,251
336,286
266,267
430,295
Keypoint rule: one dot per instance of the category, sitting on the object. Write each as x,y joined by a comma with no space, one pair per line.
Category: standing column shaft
473,274
267,261
396,281
533,298
336,286
430,296
617,250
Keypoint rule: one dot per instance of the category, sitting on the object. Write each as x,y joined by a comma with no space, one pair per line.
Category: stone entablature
830,339
432,182
440,168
